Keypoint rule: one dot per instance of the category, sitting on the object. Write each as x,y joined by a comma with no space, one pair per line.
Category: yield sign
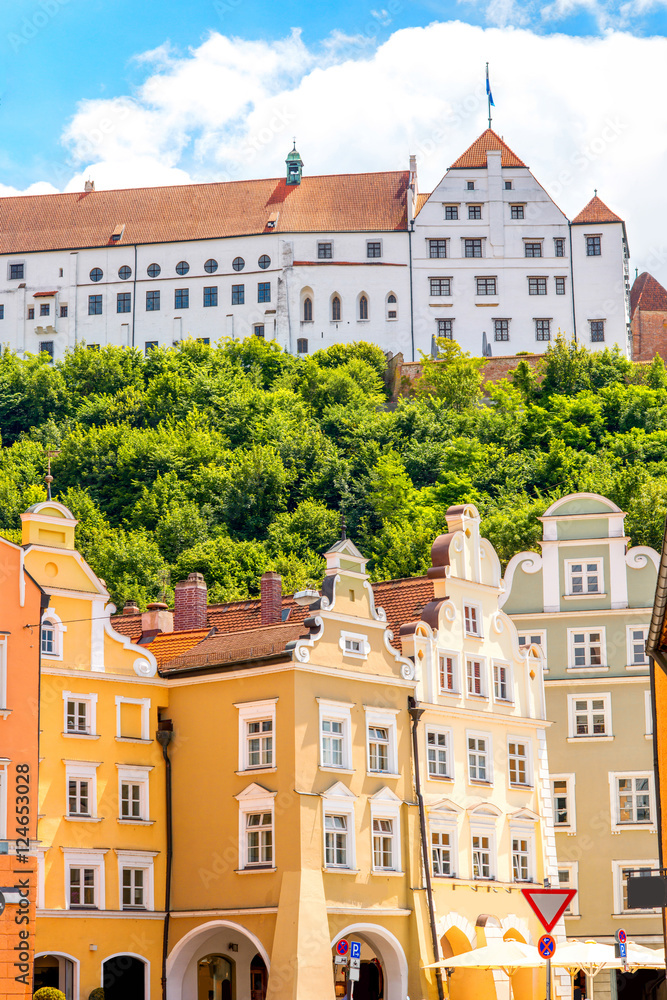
549,904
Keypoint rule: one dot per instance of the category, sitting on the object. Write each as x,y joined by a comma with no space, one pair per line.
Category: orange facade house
20,614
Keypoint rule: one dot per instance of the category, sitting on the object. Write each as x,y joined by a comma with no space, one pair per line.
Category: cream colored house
482,755
587,600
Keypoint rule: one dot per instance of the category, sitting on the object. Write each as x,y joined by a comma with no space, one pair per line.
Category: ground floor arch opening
124,976
57,971
219,960
383,968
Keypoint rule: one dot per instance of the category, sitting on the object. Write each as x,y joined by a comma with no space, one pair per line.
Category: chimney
130,608
156,619
89,185
272,598
190,600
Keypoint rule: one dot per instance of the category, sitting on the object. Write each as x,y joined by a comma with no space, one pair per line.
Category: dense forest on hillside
235,459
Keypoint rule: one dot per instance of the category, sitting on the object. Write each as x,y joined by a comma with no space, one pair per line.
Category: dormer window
117,234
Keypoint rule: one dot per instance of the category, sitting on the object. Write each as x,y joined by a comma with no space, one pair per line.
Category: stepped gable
474,157
647,294
595,212
330,203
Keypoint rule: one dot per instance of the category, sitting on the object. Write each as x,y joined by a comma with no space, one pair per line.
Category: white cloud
583,113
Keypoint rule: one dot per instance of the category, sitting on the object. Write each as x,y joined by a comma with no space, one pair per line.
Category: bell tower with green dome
294,166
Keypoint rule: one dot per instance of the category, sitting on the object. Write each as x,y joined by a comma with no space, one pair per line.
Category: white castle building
487,258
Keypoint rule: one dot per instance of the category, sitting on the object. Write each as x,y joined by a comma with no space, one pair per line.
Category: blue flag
488,91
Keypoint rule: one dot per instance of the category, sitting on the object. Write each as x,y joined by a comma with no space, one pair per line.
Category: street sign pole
548,979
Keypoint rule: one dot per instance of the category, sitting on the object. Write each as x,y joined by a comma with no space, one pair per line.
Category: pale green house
587,600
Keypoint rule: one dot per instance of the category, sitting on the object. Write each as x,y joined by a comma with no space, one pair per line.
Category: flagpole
488,93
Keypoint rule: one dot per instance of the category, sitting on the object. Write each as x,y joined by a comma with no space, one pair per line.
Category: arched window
335,309
302,346
51,636
363,307
308,310
392,306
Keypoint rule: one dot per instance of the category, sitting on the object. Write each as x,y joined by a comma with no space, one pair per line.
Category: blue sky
133,93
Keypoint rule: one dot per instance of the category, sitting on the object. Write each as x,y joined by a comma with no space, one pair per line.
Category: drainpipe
416,714
574,313
412,310
164,736
134,293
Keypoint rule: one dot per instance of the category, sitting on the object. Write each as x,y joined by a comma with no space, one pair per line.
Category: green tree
453,376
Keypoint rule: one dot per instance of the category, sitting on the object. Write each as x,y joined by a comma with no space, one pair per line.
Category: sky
146,92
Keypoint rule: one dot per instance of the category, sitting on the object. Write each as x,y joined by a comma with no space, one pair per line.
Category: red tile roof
594,212
331,203
475,156
245,645
647,294
403,601
128,625
421,201
168,645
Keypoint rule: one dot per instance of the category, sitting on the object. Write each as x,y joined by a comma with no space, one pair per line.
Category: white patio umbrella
510,956
640,957
590,956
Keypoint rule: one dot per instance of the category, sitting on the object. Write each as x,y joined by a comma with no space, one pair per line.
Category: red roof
167,645
39,295
249,644
594,212
475,155
647,294
403,601
331,203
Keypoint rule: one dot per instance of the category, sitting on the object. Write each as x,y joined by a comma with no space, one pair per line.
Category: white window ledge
586,670
391,874
5,712
439,777
340,871
582,597
130,739
257,770
337,770
81,736
83,819
590,739
136,822
633,914
382,774
254,871
521,786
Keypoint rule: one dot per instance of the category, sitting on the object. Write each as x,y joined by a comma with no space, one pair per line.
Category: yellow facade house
101,834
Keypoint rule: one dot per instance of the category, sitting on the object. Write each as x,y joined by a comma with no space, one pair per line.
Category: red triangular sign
549,904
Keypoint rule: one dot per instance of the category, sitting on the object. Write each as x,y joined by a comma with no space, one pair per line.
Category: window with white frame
584,576
535,638
84,879
620,871
502,682
521,859
354,644
386,833
632,799
51,636
135,879
439,753
335,734
257,727
568,878
133,718
381,741
133,792
475,679
79,714
448,671
472,618
587,648
637,635
81,789
259,839
648,713
384,849
338,823
479,757
483,860
3,673
518,762
442,852
589,715
563,798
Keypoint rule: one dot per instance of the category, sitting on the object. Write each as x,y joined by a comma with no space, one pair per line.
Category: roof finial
294,146
48,478
595,192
